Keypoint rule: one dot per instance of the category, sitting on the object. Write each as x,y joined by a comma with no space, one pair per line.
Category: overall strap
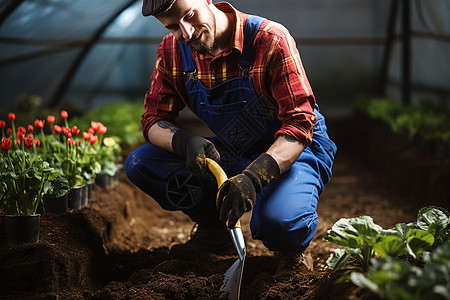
250,30
188,62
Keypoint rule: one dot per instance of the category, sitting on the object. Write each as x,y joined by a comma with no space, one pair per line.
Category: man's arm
285,150
161,134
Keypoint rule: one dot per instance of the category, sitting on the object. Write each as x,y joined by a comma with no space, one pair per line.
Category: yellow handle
221,177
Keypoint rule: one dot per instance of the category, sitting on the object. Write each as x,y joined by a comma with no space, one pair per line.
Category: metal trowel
231,286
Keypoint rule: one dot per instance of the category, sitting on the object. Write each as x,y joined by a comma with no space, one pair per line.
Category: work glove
195,149
238,194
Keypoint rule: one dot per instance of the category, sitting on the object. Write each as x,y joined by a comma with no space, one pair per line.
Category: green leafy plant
57,187
22,178
394,278
122,118
423,119
397,263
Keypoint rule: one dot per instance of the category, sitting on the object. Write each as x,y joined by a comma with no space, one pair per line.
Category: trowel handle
221,177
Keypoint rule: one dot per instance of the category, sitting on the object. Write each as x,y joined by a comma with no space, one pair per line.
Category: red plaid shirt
278,78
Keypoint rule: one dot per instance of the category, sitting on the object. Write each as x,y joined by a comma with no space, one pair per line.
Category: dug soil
118,247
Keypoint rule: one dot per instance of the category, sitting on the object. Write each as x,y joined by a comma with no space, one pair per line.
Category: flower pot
22,229
84,195
89,188
118,172
57,205
104,180
75,197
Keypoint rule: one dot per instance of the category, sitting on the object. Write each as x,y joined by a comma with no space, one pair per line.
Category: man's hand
195,148
238,194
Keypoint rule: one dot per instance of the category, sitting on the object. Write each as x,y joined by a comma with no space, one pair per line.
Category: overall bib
284,215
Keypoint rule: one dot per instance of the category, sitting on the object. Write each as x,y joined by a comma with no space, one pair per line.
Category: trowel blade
232,280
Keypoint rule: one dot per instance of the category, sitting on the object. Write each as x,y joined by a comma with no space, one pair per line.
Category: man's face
192,22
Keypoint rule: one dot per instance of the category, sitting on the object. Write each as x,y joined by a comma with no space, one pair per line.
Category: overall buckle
245,71
191,74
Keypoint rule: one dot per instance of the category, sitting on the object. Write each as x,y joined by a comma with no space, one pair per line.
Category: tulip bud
51,119
64,114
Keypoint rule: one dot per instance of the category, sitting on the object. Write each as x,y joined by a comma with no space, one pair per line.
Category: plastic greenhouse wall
89,52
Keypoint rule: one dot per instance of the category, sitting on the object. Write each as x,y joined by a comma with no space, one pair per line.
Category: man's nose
187,29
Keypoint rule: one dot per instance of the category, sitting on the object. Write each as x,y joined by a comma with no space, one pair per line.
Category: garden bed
118,246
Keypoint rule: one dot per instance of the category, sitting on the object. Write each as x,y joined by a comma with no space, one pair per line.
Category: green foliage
56,188
121,117
394,278
409,261
22,178
423,119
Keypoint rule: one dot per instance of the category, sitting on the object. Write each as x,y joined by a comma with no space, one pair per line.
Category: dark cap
154,7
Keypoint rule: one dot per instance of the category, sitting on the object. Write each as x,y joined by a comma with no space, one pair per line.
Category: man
242,76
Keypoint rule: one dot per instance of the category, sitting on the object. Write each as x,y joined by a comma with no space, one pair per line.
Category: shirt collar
237,39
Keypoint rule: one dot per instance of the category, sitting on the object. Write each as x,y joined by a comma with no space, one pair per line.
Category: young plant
409,261
22,177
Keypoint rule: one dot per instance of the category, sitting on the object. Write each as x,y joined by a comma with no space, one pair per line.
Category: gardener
242,76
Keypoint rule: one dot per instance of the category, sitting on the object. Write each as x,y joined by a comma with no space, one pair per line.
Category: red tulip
6,144
93,139
67,131
70,141
79,143
8,131
39,123
22,129
101,129
91,130
2,124
20,135
94,125
30,128
17,142
11,116
75,130
51,119
29,141
86,136
64,114
56,129
37,142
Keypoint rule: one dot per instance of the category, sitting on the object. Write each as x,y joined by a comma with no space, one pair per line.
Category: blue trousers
284,216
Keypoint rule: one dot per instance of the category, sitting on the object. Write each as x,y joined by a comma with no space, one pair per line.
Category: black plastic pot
75,197
56,205
22,229
89,188
104,180
118,172
84,195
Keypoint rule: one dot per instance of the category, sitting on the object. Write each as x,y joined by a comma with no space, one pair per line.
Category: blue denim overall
284,215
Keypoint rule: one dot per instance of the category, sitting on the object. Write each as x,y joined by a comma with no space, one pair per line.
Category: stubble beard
207,46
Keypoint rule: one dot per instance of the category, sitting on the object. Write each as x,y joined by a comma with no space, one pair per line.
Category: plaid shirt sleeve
163,100
287,83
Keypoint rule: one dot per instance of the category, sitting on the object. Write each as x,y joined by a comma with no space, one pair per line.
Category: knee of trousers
133,165
295,234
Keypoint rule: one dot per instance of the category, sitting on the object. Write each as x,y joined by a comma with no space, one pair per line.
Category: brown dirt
118,246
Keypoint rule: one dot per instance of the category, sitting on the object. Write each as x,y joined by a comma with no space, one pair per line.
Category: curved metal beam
9,10
65,82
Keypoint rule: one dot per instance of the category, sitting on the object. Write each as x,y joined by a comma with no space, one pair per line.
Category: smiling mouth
198,38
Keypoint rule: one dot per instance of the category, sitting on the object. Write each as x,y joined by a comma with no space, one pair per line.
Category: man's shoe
208,236
290,262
